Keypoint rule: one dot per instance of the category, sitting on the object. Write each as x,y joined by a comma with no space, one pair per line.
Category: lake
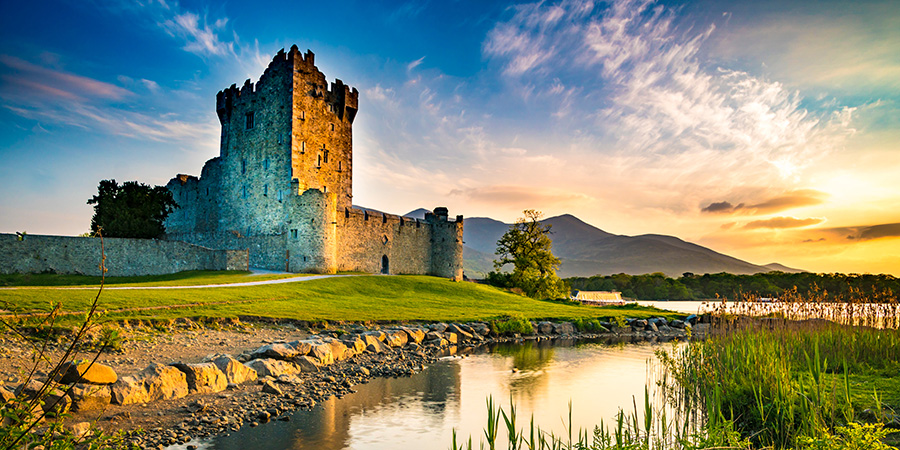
420,412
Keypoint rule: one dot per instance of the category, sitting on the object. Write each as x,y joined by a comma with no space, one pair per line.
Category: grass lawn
352,298
187,278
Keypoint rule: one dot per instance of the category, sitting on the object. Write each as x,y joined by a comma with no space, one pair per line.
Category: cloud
865,232
789,200
199,39
646,87
520,195
24,79
783,222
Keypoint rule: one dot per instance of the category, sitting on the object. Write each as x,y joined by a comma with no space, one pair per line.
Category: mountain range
586,250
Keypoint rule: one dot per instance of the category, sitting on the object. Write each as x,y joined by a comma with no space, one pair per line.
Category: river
421,412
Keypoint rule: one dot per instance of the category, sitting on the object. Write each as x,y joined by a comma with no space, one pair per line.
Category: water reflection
421,411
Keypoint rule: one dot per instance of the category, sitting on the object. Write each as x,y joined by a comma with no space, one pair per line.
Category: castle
282,187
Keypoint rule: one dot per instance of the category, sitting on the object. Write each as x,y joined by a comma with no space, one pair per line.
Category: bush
516,325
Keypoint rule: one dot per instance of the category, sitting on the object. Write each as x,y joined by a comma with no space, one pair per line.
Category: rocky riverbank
179,398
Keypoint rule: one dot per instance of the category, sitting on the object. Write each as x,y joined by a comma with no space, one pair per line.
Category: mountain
586,250
775,267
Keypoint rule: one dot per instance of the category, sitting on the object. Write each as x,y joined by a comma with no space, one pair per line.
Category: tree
132,210
527,246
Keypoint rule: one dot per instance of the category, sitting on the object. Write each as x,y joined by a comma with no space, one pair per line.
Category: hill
586,250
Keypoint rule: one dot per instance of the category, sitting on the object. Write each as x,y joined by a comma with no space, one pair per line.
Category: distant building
600,298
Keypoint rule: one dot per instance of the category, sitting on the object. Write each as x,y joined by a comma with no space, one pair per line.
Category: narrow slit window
250,122
243,166
265,190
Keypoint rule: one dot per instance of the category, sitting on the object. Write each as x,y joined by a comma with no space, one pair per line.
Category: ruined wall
124,257
365,237
264,251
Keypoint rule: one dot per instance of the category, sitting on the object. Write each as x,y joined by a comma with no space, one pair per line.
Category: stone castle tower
282,186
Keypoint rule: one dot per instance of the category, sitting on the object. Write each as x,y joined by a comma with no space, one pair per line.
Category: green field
349,298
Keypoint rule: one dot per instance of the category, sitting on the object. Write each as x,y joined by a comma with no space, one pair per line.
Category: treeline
823,287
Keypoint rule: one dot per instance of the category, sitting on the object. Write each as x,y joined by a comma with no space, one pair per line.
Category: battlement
345,99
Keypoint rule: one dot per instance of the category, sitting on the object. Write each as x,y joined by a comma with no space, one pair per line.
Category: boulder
86,372
692,319
156,382
544,327
293,380
306,364
89,397
6,395
204,378
322,352
354,344
303,347
375,334
80,430
283,352
416,335
234,371
460,333
377,347
396,338
54,399
639,324
268,367
481,328
271,388
339,350
439,327
651,326
564,328
677,324
452,338
432,335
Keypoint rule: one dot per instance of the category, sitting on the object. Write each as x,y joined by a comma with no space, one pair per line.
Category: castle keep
282,187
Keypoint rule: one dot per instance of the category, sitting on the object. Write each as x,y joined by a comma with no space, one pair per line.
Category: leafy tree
132,210
527,246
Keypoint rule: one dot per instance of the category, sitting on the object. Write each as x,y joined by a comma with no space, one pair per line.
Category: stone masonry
282,186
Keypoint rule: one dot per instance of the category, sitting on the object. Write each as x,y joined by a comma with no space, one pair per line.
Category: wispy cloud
645,85
520,196
789,200
23,79
783,222
200,38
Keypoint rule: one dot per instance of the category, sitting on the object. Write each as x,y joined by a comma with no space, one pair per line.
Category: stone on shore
283,352
339,350
205,378
89,397
564,328
354,344
85,372
156,382
322,352
306,363
6,395
270,387
460,332
376,346
415,335
268,367
55,399
396,338
544,327
234,371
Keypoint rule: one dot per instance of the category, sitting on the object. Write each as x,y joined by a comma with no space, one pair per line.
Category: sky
766,130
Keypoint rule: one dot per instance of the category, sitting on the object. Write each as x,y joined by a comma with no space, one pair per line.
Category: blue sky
768,130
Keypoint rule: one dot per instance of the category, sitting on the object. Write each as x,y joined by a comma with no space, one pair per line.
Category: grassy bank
351,298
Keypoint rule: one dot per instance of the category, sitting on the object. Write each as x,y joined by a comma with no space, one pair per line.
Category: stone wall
124,257
366,238
265,252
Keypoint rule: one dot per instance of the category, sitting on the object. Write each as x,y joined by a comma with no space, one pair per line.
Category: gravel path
199,286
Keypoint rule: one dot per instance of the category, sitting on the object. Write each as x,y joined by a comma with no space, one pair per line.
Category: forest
826,287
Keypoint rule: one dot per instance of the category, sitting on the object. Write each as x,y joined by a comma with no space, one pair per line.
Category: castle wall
124,257
366,237
264,251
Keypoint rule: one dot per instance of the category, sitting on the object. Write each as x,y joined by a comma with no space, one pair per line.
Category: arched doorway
385,265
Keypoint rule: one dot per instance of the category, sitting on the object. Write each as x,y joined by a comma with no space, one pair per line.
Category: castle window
339,166
249,120
346,213
243,166
280,195
280,139
294,234
324,189
332,127
384,219
266,164
303,147
319,162
326,156
244,192
265,190
302,115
